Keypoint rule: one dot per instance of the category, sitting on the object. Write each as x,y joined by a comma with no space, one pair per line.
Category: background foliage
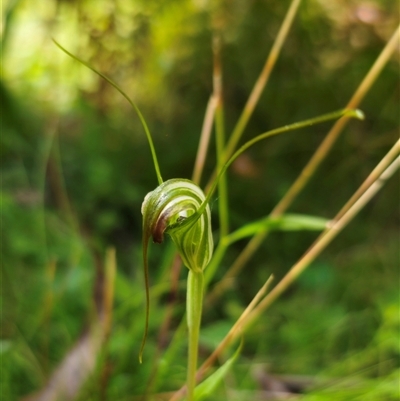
76,166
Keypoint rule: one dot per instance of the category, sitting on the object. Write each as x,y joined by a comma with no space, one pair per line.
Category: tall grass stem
322,151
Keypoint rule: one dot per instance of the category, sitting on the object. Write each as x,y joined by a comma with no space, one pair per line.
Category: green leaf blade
208,386
286,222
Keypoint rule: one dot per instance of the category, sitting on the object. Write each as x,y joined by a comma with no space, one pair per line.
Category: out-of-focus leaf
286,222
5,346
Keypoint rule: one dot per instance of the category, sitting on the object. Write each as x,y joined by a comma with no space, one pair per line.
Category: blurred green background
75,167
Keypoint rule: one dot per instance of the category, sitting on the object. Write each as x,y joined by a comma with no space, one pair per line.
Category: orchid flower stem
194,304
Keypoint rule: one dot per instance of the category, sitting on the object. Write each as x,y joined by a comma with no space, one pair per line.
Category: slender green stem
194,304
220,138
222,184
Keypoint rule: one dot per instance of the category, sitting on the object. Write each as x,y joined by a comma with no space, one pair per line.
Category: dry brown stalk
313,164
259,86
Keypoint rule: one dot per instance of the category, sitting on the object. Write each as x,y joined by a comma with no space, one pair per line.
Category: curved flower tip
359,114
355,113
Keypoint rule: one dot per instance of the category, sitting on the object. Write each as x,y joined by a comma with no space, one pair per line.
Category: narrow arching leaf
286,222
